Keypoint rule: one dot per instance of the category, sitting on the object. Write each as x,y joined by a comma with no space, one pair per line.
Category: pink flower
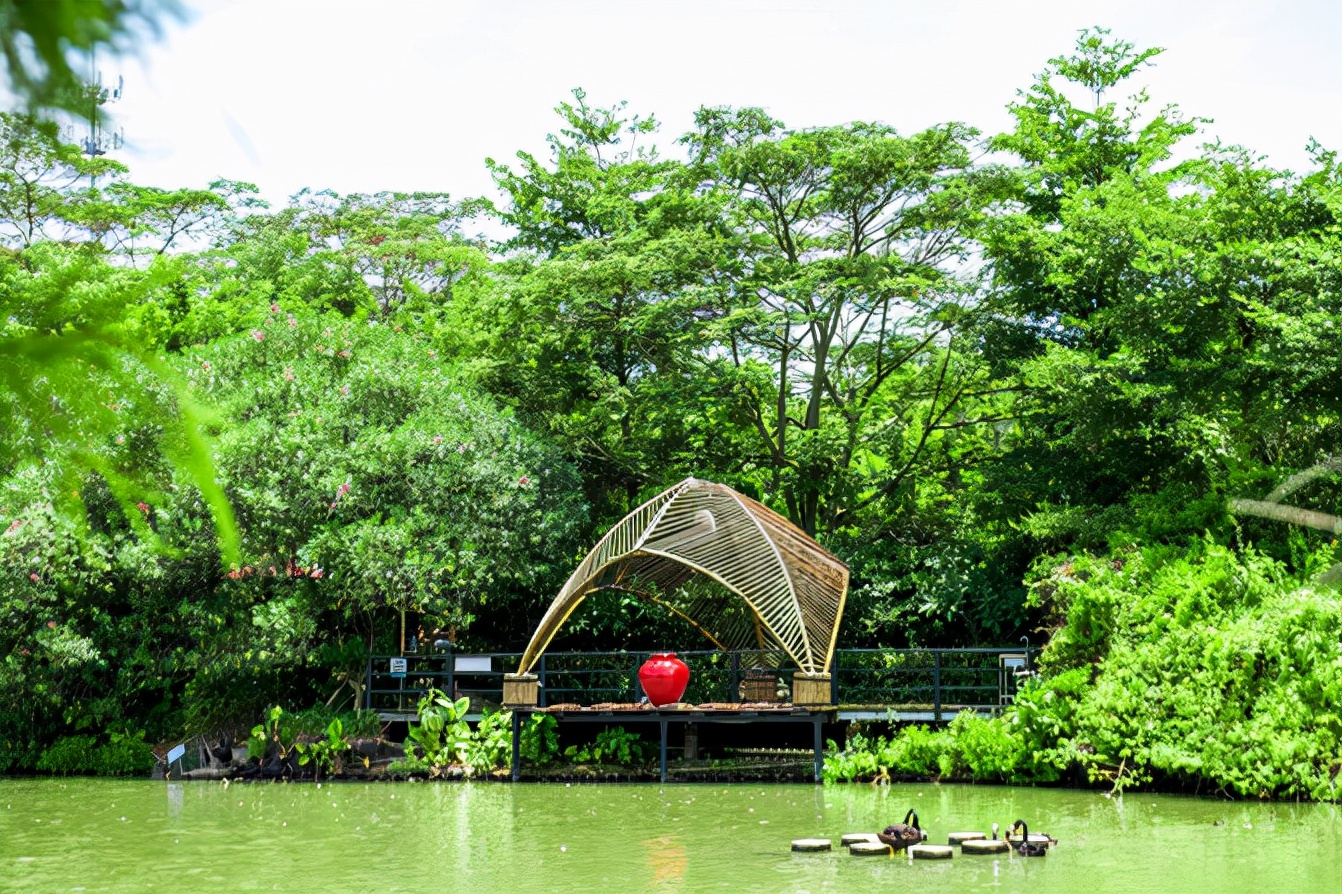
14,526
437,439
344,353
344,389
292,322
258,334
316,572
51,625
274,308
121,439
288,374
115,408
342,490
524,481
205,365
34,578
461,448
143,507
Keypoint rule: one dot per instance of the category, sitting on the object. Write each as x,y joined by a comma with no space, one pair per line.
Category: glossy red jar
664,678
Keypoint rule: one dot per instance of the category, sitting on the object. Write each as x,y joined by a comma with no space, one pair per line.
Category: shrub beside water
122,755
1210,671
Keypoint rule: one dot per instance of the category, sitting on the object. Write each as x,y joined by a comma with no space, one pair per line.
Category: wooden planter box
521,690
811,690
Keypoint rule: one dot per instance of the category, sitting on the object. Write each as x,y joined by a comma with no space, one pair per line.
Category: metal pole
517,744
936,685
540,678
735,694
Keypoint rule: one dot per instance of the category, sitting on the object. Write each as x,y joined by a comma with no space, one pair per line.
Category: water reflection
484,838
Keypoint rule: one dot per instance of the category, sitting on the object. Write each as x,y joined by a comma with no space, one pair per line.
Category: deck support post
661,721
816,720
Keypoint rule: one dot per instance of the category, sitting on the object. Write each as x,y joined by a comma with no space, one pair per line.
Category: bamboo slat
743,574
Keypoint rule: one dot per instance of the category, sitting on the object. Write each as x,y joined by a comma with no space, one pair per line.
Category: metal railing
932,680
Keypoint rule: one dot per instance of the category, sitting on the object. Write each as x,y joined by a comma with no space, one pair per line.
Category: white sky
414,94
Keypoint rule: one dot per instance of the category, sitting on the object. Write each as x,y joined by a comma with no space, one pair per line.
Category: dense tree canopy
990,374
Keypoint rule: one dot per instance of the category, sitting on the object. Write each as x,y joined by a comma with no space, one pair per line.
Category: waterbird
901,835
1026,848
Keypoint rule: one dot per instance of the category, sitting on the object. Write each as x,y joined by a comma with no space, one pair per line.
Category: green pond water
134,836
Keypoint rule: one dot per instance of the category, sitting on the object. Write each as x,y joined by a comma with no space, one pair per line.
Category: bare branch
1292,515
1300,479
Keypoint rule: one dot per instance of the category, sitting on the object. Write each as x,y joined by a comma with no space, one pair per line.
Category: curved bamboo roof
738,571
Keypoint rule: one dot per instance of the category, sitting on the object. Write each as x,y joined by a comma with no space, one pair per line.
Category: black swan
901,835
1026,847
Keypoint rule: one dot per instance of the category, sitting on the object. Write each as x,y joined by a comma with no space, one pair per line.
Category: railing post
449,670
368,685
638,687
540,675
734,694
936,685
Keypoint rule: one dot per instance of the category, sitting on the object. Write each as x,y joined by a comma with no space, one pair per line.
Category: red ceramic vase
664,678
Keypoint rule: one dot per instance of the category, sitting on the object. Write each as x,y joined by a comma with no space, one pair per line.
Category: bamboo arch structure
739,572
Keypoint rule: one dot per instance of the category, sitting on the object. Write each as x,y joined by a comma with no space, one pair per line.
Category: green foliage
613,745
324,754
1220,667
69,755
225,472
491,742
277,734
913,751
539,741
442,737
41,38
123,754
442,740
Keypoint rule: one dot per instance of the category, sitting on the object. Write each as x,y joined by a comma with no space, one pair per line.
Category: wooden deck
683,714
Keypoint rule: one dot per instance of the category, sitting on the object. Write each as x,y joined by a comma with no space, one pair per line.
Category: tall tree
845,334
1169,322
595,328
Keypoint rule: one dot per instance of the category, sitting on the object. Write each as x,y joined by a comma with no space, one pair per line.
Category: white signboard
176,753
473,663
398,668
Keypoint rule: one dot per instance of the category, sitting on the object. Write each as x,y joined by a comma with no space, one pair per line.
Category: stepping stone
855,837
869,849
810,844
985,846
961,837
931,851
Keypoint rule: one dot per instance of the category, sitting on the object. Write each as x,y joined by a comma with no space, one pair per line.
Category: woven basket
759,686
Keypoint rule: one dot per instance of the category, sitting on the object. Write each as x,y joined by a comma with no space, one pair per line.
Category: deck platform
735,713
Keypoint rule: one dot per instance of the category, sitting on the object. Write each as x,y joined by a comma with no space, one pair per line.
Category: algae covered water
137,836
